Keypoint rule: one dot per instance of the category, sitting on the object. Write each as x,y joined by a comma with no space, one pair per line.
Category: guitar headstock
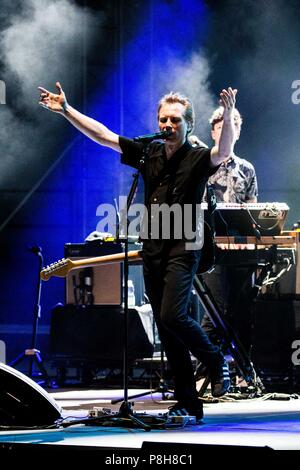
60,269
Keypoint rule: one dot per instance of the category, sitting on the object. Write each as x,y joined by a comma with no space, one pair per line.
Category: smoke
190,77
42,38
41,42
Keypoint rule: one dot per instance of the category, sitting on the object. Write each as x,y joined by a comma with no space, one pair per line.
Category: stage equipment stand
33,354
125,411
162,387
231,340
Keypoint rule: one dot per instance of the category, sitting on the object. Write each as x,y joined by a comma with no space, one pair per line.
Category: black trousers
168,284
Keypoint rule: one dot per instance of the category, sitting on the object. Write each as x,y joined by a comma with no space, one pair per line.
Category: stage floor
271,421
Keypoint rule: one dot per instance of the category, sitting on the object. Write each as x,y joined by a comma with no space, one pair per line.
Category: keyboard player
234,182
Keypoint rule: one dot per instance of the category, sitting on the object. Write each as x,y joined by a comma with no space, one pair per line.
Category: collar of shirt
176,157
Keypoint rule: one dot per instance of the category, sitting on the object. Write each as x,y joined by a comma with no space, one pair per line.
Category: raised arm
227,140
88,126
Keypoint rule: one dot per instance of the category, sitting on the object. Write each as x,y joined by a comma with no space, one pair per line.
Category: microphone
149,137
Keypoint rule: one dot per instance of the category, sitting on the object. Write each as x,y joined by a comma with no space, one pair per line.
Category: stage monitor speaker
23,403
96,333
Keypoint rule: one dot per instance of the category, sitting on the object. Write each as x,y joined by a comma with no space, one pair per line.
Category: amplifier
97,333
99,285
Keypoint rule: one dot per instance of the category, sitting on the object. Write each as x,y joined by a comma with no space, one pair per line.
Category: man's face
171,118
216,132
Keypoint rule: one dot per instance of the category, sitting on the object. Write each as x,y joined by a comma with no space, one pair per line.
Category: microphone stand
32,353
125,411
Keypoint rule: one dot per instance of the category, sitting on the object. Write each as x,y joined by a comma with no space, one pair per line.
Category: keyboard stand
231,340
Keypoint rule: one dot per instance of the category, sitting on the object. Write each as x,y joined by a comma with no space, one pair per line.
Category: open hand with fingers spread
227,100
54,102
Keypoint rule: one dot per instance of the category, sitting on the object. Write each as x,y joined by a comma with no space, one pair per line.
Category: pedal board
180,421
157,420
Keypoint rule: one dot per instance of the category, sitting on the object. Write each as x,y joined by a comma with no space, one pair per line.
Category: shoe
187,414
220,379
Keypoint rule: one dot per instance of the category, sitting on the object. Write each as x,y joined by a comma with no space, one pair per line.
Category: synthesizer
254,219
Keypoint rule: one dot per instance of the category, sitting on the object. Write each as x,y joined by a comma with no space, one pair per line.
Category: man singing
174,172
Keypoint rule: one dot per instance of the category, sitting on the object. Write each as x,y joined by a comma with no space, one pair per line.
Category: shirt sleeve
131,152
204,163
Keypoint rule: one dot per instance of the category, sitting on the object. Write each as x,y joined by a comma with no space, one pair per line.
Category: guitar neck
62,267
107,259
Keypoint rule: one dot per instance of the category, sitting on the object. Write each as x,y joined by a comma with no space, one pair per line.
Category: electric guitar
62,267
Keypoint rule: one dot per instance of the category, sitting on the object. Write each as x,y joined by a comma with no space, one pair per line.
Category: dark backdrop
114,60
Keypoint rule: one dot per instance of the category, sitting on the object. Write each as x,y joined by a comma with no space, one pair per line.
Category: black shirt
180,180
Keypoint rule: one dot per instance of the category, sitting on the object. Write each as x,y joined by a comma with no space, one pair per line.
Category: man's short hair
217,116
189,113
